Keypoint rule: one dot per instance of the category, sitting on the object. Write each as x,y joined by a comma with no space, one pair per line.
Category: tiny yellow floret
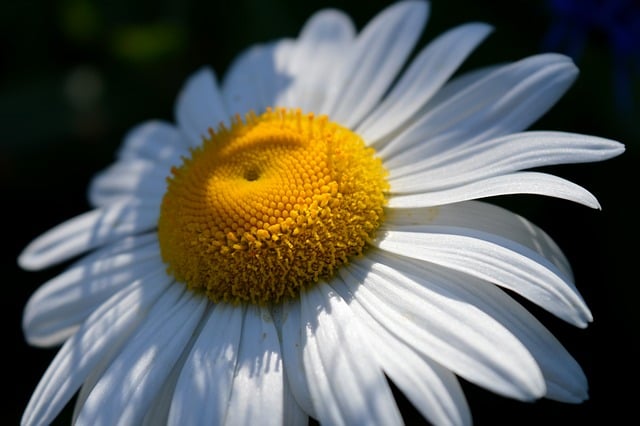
270,206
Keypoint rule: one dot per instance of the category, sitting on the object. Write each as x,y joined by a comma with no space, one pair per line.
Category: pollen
270,205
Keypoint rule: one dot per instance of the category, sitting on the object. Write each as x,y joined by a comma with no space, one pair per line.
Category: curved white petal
88,231
379,52
89,383
204,386
154,140
312,62
563,376
121,246
158,411
132,178
454,333
60,305
135,377
425,75
486,218
292,414
257,392
241,88
499,156
346,385
507,100
491,258
459,83
514,183
98,340
292,349
256,77
200,107
432,389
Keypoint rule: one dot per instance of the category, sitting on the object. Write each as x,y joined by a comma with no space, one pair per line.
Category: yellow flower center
270,206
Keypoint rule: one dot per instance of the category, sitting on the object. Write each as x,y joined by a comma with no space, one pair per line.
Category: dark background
75,75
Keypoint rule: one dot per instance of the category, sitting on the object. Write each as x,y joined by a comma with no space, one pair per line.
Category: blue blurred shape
616,22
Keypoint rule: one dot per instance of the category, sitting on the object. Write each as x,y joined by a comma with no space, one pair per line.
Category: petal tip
29,262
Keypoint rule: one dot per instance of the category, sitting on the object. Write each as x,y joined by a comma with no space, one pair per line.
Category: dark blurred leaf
148,43
80,19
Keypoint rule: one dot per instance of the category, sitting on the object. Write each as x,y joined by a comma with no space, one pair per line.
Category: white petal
498,156
97,341
346,385
204,386
507,100
380,50
158,412
514,183
200,107
426,74
293,414
292,349
257,394
312,62
134,378
89,383
493,259
122,245
241,85
432,389
132,178
156,141
563,376
457,84
88,231
256,77
60,305
453,333
486,218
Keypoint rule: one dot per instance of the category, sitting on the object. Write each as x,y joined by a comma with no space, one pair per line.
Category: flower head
310,227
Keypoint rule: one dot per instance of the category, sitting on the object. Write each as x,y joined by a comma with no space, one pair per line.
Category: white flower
323,273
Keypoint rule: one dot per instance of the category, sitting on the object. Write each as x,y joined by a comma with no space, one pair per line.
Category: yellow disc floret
270,206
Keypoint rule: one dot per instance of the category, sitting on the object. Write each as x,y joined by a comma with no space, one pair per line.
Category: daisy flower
310,227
